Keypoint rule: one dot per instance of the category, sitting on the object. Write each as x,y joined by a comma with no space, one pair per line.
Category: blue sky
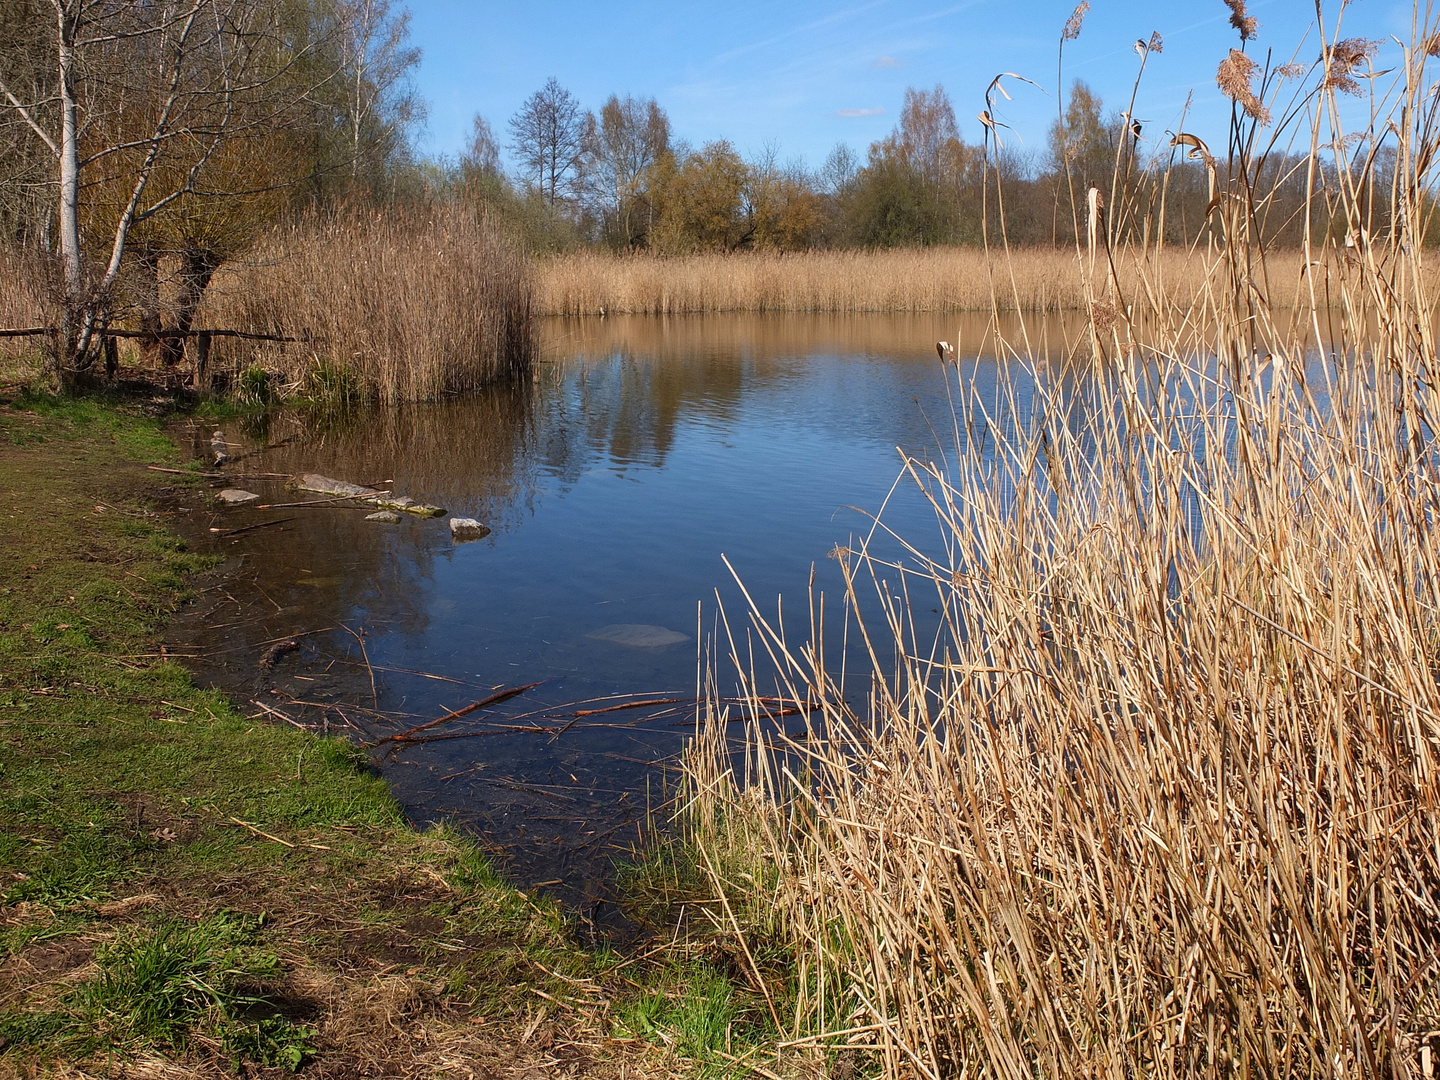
802,76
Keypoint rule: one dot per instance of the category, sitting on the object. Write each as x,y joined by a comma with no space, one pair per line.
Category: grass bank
908,280
188,892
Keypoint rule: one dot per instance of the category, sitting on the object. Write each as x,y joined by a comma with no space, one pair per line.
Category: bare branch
29,119
133,35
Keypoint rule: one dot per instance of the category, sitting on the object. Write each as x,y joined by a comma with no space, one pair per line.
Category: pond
646,455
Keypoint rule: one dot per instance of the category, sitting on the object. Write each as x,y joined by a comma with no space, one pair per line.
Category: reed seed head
1157,43
1073,24
1103,315
1242,20
1345,57
1234,79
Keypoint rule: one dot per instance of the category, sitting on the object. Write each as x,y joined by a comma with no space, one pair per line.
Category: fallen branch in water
222,534
574,721
623,706
493,699
403,671
324,502
264,449
220,475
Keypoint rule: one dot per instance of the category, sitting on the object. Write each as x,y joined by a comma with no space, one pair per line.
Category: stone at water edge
236,497
463,529
638,635
407,505
324,485
385,517
219,448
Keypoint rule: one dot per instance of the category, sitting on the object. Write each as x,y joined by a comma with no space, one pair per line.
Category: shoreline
141,812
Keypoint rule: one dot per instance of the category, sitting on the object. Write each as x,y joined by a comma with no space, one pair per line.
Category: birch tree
377,59
139,104
620,151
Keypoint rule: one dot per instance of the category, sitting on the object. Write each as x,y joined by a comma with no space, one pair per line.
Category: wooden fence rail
202,340
36,331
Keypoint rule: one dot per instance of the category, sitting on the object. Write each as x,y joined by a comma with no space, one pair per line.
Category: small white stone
236,497
385,517
462,529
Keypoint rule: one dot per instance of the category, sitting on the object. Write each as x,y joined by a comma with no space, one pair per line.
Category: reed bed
907,280
25,301
1158,797
396,306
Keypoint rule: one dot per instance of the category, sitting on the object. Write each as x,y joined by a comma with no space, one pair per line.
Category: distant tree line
618,179
149,143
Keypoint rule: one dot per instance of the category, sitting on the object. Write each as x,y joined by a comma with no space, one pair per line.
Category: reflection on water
645,450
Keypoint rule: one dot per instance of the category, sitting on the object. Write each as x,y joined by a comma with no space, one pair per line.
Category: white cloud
888,62
876,111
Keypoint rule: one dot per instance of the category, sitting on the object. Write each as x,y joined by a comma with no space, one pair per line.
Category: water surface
646,452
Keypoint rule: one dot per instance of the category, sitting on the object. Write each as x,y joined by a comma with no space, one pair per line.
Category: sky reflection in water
646,450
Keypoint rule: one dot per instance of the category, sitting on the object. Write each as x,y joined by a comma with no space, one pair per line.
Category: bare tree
547,136
621,149
927,134
144,109
837,175
377,60
481,178
483,153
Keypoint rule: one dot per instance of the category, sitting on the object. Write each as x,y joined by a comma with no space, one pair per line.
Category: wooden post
202,360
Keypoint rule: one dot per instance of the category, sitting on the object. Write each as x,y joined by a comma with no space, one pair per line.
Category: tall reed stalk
1159,797
25,301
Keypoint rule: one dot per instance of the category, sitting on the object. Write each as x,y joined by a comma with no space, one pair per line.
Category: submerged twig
493,699
223,534
374,694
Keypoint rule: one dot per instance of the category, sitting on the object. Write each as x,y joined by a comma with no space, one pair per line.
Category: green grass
159,924
696,1010
702,998
157,921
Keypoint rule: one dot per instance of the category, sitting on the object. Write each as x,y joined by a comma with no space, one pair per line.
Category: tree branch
25,112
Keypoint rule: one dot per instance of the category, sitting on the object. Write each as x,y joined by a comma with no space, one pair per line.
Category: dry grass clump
414,306
1154,791
908,280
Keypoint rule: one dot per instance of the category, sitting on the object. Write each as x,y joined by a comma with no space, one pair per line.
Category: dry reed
1159,797
25,301
413,306
908,280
